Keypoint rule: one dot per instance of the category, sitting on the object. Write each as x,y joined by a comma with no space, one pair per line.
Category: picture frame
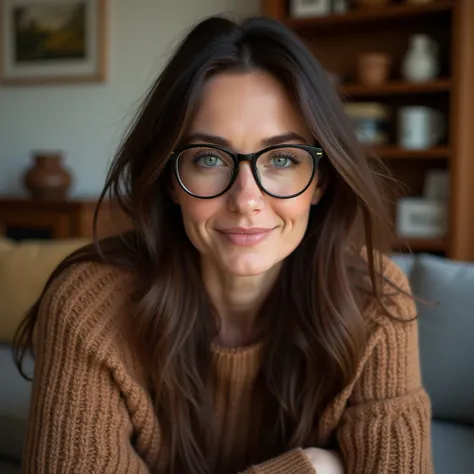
53,41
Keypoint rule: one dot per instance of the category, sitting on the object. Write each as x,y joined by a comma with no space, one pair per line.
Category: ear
316,196
319,191
173,190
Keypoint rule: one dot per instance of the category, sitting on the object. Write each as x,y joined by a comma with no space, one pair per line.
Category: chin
247,267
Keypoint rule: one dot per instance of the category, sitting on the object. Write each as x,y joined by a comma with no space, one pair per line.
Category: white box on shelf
309,8
422,218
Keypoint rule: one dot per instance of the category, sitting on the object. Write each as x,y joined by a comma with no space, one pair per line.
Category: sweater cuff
294,462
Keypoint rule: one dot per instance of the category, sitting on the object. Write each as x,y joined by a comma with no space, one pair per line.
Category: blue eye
281,161
208,160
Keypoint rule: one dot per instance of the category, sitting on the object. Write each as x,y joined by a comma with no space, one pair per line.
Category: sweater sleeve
294,461
386,424
78,421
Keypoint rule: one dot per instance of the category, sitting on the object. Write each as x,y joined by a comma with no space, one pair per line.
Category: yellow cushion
24,268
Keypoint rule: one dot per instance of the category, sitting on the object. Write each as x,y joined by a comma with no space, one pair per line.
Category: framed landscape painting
52,41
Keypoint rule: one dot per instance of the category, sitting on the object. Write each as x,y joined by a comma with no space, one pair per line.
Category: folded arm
386,424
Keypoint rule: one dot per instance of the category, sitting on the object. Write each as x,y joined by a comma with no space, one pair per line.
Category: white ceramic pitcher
421,63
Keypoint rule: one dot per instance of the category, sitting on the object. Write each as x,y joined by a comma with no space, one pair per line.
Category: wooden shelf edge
398,153
419,244
370,14
395,87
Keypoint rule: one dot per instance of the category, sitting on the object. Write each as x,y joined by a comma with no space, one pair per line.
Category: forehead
255,103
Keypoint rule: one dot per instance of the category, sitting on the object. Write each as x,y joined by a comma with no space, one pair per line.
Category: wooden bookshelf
397,153
420,245
361,17
396,87
337,40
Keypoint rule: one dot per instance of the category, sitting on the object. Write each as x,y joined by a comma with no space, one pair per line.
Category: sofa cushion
14,403
452,447
404,261
24,268
446,335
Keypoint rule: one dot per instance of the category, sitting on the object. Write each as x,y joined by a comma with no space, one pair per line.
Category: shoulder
391,271
88,279
395,302
87,303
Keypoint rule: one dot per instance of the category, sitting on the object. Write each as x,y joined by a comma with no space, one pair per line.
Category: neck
237,301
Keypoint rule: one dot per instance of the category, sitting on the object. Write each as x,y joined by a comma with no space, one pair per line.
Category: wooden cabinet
336,41
28,218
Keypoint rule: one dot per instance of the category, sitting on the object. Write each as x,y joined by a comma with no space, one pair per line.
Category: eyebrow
221,141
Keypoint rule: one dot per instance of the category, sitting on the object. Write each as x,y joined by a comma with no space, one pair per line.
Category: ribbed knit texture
90,411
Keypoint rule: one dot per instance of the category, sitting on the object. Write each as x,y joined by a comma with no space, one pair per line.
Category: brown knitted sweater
91,412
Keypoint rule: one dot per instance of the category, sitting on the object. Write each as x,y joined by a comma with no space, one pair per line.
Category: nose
245,197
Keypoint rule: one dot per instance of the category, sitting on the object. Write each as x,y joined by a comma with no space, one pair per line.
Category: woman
248,322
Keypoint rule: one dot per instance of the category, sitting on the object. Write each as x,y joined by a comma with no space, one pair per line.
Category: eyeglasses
282,171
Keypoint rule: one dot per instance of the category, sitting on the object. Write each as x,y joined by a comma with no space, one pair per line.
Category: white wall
86,121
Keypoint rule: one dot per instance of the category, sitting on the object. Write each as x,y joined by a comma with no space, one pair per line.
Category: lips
245,230
245,236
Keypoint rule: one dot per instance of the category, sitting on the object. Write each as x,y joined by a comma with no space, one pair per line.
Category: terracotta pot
47,179
373,68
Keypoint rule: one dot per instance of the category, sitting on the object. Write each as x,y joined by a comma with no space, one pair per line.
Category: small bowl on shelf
373,68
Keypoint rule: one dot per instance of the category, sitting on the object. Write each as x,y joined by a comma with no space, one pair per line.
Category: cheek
294,212
295,222
196,212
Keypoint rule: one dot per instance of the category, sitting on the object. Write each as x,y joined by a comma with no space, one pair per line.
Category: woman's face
246,232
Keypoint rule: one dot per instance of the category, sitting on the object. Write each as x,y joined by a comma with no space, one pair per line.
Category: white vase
421,63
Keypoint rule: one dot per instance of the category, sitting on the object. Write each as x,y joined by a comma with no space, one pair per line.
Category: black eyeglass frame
316,153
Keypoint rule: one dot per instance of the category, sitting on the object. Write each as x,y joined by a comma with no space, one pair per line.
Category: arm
78,421
386,425
299,461
294,461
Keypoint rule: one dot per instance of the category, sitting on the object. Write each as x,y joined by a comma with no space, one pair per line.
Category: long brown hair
314,330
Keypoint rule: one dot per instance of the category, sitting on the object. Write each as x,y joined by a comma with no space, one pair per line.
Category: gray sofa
446,341
446,335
